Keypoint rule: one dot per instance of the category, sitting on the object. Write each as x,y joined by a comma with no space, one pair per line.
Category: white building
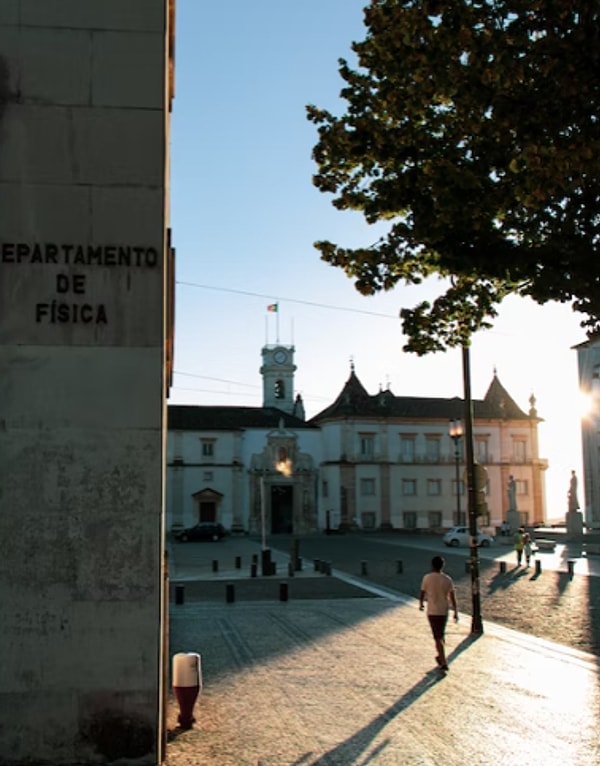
374,461
588,362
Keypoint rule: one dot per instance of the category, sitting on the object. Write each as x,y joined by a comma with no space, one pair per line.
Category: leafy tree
473,128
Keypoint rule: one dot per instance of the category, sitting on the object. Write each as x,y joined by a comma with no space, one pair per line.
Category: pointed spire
298,410
499,400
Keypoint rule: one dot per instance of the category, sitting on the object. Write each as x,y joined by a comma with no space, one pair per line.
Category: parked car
461,536
206,530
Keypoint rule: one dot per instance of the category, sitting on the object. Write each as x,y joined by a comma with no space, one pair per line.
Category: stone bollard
538,567
215,565
363,568
253,568
283,591
503,567
179,594
238,562
229,593
399,567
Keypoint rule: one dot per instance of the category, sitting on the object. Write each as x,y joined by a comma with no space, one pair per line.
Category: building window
409,486
435,519
434,487
367,487
368,519
481,451
207,476
519,450
409,519
367,445
325,488
522,487
432,450
407,449
457,485
208,447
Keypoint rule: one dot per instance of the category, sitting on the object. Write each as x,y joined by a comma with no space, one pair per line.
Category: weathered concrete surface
83,158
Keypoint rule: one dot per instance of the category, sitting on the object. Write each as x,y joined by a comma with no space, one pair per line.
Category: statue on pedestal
572,494
512,493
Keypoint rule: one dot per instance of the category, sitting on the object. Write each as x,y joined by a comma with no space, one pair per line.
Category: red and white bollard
187,683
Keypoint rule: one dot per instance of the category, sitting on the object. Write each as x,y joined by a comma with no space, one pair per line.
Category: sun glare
587,404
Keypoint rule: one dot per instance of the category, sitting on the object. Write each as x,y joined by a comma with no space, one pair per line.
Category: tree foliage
473,129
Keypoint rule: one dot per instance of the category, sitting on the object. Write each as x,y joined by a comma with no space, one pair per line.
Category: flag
273,307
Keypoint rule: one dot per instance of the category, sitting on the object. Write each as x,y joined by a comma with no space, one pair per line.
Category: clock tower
277,372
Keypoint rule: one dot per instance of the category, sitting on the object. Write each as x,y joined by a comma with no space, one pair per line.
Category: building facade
588,363
371,461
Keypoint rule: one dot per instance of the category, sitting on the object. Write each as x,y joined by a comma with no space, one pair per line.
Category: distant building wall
84,93
588,361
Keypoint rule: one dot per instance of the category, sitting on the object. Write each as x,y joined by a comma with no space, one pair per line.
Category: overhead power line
218,380
288,300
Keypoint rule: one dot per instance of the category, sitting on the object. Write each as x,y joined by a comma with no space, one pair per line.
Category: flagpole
277,320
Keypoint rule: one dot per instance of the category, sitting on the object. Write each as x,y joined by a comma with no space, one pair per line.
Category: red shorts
438,624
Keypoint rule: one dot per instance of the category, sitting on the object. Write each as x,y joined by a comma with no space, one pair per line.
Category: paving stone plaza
343,671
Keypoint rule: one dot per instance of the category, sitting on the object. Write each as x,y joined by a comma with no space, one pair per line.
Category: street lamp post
456,431
263,522
476,621
266,568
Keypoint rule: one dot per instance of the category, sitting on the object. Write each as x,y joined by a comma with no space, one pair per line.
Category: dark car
206,530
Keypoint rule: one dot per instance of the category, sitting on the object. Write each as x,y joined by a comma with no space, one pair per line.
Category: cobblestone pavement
329,678
552,605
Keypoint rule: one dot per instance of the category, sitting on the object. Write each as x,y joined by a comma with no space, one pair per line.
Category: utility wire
289,300
218,380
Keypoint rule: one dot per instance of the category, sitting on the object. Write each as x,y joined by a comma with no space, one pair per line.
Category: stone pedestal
574,524
514,520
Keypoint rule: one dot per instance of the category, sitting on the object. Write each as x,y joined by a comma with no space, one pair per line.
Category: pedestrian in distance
519,545
527,548
437,589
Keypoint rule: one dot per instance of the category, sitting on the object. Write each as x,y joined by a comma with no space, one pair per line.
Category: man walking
437,589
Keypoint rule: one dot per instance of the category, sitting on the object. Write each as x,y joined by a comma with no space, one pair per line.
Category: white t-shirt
437,587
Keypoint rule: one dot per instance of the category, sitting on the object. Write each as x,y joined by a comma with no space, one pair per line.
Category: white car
460,536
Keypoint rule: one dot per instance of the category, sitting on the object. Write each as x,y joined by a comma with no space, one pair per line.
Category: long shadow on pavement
347,751
504,580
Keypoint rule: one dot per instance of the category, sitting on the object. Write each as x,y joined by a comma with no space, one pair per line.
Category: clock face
280,356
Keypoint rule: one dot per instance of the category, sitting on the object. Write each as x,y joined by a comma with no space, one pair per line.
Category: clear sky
245,216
